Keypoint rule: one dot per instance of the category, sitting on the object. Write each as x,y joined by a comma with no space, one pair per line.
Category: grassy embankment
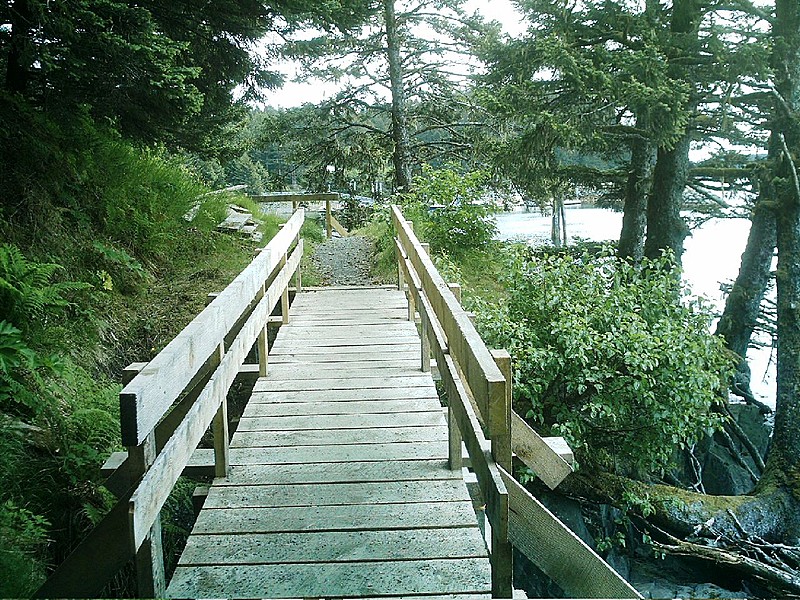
98,268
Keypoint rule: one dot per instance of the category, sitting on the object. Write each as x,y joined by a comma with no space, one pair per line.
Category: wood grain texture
267,439
335,494
573,565
330,546
368,579
537,454
336,518
339,484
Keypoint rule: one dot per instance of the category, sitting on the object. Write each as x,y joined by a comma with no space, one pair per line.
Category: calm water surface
712,255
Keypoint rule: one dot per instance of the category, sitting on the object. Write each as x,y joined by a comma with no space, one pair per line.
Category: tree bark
665,228
743,304
401,157
19,47
634,218
783,461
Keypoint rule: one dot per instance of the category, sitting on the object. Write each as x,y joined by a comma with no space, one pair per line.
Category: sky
294,93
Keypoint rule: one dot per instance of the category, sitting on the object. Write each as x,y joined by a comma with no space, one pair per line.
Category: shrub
447,207
615,357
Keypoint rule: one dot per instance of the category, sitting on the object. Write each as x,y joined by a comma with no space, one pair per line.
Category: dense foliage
447,208
615,357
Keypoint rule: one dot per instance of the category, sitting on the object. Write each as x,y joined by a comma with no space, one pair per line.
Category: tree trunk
555,229
19,47
743,304
665,228
783,461
401,156
634,219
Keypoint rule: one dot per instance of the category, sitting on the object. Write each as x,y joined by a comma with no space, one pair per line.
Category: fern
27,292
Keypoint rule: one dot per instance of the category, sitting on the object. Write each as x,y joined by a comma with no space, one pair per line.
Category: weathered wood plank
346,383
293,371
295,409
340,437
339,546
339,357
262,394
396,340
339,421
557,551
281,197
335,494
368,579
150,394
339,472
388,350
336,518
342,453
537,454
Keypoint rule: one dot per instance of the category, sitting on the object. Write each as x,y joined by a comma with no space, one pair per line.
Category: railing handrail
471,372
149,472
151,393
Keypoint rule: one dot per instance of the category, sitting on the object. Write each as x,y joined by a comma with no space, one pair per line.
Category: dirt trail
345,261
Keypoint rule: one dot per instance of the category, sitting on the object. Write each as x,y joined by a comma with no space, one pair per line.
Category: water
712,256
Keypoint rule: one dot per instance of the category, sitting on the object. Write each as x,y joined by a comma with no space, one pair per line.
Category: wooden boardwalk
339,484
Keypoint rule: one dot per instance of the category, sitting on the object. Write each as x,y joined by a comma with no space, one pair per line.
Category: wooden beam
339,227
557,551
483,377
537,454
294,198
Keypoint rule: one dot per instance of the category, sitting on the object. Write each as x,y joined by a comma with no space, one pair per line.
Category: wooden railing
477,382
331,222
166,408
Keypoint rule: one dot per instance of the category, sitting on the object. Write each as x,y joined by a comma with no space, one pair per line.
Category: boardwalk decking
339,484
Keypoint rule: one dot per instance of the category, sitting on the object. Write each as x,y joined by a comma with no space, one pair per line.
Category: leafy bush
615,357
446,207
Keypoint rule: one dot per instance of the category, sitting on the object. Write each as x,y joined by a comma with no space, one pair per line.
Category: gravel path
344,261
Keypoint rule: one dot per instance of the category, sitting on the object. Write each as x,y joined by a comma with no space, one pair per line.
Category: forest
119,118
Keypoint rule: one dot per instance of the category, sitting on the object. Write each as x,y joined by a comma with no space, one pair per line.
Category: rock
723,475
570,513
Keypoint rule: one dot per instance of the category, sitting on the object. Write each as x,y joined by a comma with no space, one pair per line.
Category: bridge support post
500,434
263,345
151,581
328,224
285,296
219,428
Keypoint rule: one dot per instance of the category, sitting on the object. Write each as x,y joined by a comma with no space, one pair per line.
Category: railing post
328,225
151,579
500,433
263,345
219,428
298,280
284,295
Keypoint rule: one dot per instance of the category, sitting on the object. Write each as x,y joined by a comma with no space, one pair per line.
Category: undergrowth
99,267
